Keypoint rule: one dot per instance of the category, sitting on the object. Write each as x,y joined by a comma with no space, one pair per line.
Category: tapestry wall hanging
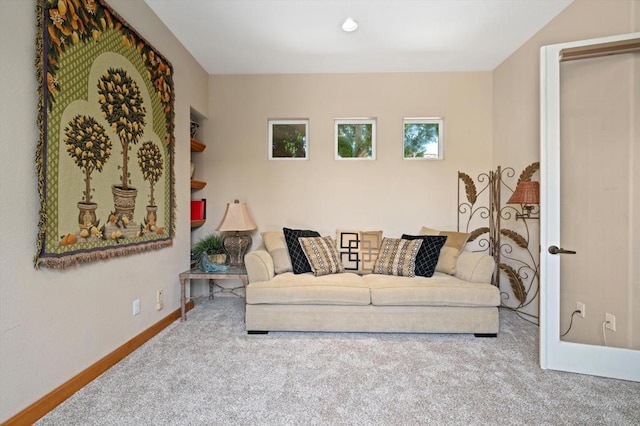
106,149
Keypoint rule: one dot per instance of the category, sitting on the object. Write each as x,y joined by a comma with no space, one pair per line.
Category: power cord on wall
604,332
577,311
604,326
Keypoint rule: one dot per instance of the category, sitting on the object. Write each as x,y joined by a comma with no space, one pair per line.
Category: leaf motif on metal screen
470,187
517,238
528,172
516,282
476,233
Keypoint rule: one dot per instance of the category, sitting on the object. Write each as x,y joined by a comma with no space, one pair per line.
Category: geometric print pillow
397,257
299,261
427,256
358,250
322,255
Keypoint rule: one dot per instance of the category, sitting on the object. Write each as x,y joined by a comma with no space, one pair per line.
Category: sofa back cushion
397,257
277,247
450,251
322,255
358,250
299,261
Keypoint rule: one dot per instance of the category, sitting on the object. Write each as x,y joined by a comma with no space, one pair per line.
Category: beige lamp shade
526,193
236,218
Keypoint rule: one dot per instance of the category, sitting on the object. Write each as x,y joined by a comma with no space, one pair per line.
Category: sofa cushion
439,290
299,261
397,257
277,247
307,289
427,257
358,249
322,255
450,251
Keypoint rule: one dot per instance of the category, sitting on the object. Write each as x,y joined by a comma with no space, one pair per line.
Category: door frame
556,354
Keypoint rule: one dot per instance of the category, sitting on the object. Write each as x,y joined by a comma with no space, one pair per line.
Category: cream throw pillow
277,247
451,250
322,255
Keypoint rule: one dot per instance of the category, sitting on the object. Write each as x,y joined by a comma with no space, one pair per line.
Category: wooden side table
232,273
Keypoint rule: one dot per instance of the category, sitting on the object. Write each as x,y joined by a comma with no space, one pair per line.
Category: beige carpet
208,371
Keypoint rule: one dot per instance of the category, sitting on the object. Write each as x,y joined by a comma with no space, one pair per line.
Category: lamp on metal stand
236,219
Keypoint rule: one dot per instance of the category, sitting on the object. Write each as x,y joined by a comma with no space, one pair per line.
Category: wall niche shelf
197,223
197,146
197,184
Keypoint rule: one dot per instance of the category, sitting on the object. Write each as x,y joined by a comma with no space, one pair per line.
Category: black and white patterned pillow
427,257
299,261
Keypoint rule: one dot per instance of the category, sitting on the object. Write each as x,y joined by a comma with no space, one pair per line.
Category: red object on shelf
198,209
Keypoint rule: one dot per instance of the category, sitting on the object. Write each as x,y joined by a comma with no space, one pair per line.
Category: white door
590,204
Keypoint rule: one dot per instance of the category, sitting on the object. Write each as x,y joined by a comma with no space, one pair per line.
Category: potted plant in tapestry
150,162
121,103
89,147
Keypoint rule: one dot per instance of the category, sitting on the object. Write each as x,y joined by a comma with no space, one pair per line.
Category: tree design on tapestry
121,105
89,147
150,162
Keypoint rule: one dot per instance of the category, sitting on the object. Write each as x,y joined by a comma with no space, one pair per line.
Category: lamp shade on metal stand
236,219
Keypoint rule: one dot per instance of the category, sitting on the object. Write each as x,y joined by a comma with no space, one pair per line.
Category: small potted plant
211,245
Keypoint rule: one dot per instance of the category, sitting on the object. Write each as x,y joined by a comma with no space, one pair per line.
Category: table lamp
236,219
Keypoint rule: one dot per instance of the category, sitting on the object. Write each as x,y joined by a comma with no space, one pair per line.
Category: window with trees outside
355,138
422,138
289,139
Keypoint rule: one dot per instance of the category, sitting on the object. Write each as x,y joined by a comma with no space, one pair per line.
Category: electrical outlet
136,307
610,322
582,308
159,300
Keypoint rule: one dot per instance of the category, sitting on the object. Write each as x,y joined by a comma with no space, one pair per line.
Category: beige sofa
464,302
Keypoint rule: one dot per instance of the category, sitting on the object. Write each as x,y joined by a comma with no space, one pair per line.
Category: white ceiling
305,36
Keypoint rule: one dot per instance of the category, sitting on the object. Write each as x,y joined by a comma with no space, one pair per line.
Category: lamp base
236,246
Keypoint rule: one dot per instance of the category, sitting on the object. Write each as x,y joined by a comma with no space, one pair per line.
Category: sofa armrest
475,267
259,265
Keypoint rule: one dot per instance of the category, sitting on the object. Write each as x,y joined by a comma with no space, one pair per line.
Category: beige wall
516,106
54,324
392,194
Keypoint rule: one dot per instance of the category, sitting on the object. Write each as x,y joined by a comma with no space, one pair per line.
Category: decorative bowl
194,129
208,266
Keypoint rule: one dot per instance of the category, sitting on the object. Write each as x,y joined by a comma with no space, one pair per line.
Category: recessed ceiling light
349,25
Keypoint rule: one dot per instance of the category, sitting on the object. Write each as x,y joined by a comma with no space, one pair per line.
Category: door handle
558,250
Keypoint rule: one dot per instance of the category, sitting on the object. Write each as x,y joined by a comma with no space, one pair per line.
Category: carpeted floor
208,371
